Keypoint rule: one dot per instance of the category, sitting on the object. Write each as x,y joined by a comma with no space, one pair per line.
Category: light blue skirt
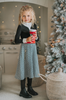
28,62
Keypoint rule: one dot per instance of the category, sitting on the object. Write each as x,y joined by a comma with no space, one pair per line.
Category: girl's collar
27,24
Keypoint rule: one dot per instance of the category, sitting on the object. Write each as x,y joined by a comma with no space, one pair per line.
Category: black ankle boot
25,94
31,91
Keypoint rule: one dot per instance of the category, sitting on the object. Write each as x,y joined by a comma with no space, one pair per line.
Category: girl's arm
18,34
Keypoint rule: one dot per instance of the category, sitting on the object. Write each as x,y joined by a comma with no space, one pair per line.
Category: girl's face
26,16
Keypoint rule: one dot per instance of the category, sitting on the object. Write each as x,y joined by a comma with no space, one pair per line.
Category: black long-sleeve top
23,32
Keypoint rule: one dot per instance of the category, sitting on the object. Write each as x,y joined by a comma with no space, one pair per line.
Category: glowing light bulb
61,5
37,26
40,31
2,21
15,5
39,7
2,7
39,16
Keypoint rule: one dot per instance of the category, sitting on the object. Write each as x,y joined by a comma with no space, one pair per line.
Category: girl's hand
29,39
36,35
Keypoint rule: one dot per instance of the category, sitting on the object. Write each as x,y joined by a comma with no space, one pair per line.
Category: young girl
28,61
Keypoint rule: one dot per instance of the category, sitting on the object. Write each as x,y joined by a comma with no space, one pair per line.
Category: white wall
39,2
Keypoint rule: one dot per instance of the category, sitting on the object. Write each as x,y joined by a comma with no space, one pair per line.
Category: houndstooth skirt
28,62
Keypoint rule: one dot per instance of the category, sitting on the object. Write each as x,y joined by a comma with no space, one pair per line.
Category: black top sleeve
17,36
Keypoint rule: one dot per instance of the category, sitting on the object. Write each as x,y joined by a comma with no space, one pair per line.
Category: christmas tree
55,52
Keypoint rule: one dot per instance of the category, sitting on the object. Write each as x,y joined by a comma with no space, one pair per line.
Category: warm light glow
40,31
13,24
2,26
13,20
2,21
2,7
15,5
13,15
39,16
37,26
61,5
39,7
63,18
53,41
37,21
0,11
52,46
58,41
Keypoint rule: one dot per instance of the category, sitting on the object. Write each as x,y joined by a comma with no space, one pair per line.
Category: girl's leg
23,92
30,89
22,84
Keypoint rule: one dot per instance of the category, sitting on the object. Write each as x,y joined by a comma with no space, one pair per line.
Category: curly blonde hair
27,8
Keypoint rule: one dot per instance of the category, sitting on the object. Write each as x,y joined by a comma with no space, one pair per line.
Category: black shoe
25,94
31,91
